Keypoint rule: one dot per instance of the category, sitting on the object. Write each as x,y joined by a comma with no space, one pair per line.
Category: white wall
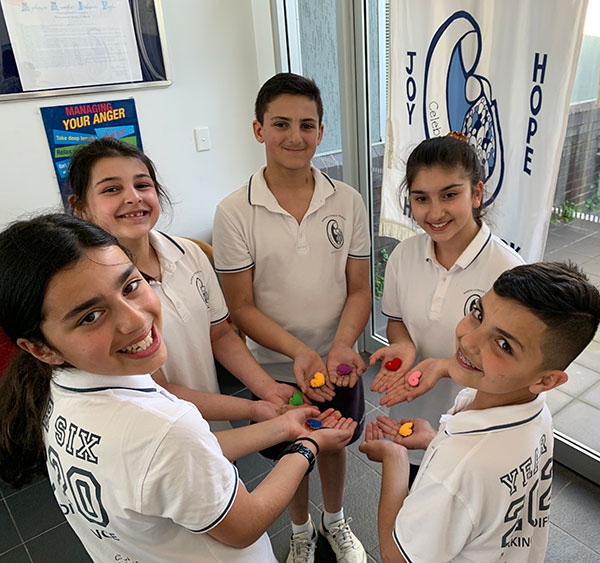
213,55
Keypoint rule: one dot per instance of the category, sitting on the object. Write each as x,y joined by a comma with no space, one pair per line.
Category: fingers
376,356
320,394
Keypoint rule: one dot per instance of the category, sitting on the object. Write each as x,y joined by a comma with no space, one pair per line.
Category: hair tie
457,135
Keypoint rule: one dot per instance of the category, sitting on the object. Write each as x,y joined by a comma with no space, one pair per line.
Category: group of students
93,301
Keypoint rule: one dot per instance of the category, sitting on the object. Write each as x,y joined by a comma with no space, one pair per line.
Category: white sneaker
302,547
344,543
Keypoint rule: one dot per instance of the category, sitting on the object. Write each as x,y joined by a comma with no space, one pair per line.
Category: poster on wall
499,72
66,44
71,125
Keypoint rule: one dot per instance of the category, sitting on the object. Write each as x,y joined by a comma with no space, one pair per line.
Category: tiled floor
575,405
32,528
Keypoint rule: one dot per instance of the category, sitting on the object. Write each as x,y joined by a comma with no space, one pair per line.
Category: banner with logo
501,72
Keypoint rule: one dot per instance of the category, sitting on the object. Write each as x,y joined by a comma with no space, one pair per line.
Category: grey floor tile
556,400
374,555
581,378
576,511
590,357
594,279
281,543
252,466
580,421
370,396
588,246
354,447
563,547
567,253
9,537
35,510
592,397
561,477
16,555
6,490
61,540
592,266
355,471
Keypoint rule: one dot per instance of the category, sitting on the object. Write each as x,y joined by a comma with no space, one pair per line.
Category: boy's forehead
513,317
284,103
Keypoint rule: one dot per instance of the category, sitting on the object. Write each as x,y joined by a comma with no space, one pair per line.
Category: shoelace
303,548
342,535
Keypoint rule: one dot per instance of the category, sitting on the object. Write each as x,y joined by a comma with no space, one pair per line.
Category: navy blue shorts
349,401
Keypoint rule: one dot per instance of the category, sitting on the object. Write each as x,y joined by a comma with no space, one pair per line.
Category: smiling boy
483,491
292,251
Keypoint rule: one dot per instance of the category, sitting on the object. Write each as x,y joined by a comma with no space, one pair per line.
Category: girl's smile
442,201
101,316
122,198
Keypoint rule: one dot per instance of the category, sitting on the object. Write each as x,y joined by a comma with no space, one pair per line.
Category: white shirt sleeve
217,306
432,525
360,245
391,302
189,480
230,244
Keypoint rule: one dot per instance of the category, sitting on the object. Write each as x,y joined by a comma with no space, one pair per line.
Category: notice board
50,48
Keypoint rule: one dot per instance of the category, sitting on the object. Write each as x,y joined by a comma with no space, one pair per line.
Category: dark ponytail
24,391
31,253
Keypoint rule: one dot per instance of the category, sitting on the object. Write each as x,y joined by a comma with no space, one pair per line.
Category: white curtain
500,71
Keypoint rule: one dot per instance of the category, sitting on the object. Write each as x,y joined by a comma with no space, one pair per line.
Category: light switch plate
202,137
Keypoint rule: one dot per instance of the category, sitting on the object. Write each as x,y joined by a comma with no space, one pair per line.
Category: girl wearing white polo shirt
434,278
114,185
136,471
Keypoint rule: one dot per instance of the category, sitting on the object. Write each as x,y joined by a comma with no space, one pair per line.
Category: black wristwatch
301,449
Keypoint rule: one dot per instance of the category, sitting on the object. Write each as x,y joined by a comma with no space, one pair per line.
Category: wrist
299,350
299,448
311,443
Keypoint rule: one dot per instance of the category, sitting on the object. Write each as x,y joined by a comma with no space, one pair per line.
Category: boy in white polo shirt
292,248
483,490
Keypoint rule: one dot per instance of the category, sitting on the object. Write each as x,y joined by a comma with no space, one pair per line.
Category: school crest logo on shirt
200,286
335,234
471,302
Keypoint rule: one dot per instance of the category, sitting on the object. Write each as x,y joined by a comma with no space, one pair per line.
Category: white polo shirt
431,300
137,472
482,494
299,269
192,301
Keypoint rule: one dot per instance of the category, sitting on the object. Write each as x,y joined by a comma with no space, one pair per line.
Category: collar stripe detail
94,389
359,256
499,426
249,189
404,554
229,271
173,241
216,322
481,249
330,181
226,509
